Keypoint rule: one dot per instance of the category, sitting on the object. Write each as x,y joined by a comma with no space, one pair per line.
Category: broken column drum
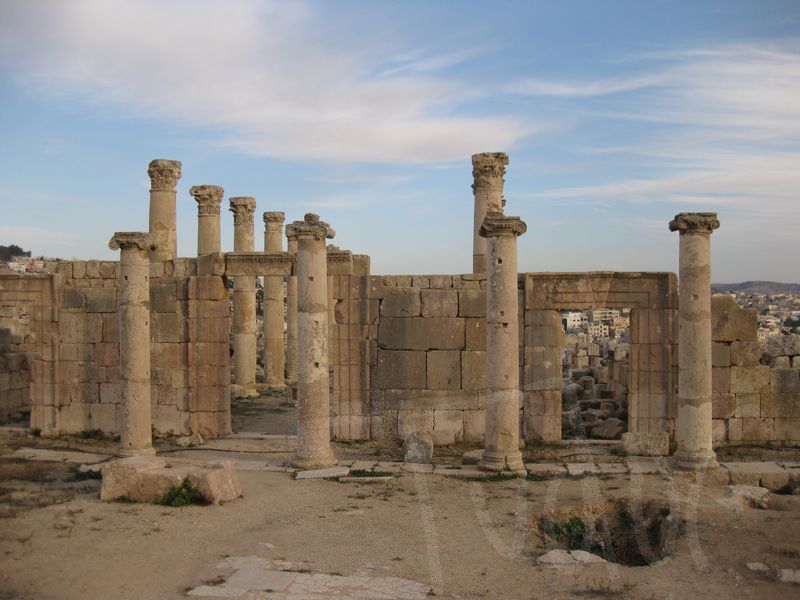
501,450
313,403
488,170
244,300
134,341
274,360
693,424
208,199
164,175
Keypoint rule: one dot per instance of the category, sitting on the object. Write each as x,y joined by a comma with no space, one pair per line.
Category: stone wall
15,375
756,395
68,320
427,356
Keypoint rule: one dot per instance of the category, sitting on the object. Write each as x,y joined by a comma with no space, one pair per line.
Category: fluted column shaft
164,176
501,450
313,448
245,349
134,341
693,424
488,170
274,357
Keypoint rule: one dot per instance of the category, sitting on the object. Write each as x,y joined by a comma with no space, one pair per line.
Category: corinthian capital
242,208
274,219
208,198
496,224
488,169
704,222
130,239
309,227
164,174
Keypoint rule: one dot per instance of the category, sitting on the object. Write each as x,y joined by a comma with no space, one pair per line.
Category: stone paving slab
417,468
253,443
463,472
375,479
256,578
546,469
70,456
337,471
766,474
389,467
363,465
580,469
613,468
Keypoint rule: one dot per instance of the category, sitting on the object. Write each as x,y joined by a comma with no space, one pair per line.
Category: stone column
164,175
274,361
313,402
693,421
208,199
501,451
244,301
291,321
134,341
488,170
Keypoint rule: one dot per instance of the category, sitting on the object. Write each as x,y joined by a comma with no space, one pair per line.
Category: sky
616,115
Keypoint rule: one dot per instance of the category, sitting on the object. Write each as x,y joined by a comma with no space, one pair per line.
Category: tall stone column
134,341
488,170
208,199
291,321
164,175
313,401
501,451
693,421
244,301
274,360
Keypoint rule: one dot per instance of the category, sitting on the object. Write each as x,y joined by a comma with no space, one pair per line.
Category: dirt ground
464,539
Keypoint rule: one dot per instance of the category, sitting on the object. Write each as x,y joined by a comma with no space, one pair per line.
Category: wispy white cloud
267,73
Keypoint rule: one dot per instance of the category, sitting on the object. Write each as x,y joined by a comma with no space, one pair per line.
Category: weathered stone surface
785,381
745,354
418,448
399,369
148,478
418,333
766,474
337,471
401,302
745,496
475,334
439,303
471,457
557,558
444,370
730,322
473,370
720,354
471,303
646,444
784,345
749,380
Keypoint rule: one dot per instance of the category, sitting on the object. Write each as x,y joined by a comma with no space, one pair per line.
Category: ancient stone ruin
158,343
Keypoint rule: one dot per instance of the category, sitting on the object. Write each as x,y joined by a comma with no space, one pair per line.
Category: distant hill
757,287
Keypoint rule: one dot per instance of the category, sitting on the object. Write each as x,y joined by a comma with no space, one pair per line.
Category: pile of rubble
589,409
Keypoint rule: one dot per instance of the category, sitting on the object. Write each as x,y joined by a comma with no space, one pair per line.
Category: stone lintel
497,224
340,262
256,264
164,174
208,198
488,169
704,222
242,208
129,239
310,227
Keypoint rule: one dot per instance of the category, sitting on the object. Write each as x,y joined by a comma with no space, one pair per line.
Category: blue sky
616,115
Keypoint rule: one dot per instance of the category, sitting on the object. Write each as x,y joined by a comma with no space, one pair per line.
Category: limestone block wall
15,376
427,356
756,396
67,322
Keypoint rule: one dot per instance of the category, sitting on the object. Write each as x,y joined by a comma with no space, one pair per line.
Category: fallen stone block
610,429
330,472
471,457
418,448
149,478
766,474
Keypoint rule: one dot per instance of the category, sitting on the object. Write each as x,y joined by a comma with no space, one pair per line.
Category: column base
315,461
502,461
126,452
695,461
244,391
